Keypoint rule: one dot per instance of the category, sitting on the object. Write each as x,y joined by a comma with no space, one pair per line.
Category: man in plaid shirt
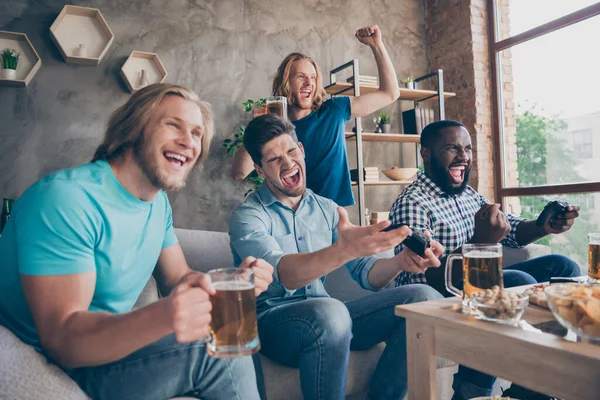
441,202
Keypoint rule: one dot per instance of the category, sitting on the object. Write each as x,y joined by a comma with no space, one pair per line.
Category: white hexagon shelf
81,35
29,60
142,69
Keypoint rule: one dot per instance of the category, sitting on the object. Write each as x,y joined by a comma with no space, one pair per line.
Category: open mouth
457,172
291,179
175,159
305,93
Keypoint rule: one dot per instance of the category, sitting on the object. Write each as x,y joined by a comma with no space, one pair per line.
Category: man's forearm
383,272
95,338
242,164
388,81
529,232
298,270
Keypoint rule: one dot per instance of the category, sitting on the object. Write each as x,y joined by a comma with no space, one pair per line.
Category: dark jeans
469,383
317,334
166,369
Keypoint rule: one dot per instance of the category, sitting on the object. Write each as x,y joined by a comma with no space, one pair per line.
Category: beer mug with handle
481,270
594,256
233,328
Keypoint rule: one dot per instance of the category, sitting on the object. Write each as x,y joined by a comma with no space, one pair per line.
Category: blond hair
127,123
281,82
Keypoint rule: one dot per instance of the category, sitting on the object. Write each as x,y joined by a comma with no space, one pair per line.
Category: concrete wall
227,50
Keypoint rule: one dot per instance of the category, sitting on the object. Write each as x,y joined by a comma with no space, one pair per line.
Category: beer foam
482,254
232,285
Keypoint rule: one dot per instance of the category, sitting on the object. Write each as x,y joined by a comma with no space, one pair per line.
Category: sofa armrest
512,256
25,374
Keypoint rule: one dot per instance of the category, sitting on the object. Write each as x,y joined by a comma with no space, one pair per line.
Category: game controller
417,241
553,208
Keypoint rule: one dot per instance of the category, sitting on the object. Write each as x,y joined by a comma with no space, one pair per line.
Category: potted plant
233,144
408,82
10,59
384,122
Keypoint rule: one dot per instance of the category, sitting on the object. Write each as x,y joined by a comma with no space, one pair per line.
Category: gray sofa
25,374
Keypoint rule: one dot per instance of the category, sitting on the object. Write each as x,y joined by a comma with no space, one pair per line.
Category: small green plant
383,118
233,144
250,104
10,58
407,79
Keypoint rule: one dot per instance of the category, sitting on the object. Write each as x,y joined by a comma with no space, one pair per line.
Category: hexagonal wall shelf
81,35
142,69
29,60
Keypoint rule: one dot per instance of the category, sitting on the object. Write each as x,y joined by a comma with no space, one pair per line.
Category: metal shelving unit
415,95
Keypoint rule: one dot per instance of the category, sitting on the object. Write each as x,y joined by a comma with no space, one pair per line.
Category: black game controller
553,208
417,241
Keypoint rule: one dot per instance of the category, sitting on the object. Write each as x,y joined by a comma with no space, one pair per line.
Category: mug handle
449,286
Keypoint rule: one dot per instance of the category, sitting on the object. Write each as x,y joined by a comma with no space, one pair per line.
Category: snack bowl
576,306
400,174
501,306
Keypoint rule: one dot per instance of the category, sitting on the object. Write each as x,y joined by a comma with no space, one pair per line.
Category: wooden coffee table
542,362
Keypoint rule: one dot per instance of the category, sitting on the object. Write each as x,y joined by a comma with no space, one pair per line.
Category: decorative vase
410,85
9,74
386,128
81,51
143,80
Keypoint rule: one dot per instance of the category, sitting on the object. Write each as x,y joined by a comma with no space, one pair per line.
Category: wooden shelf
343,88
385,183
29,61
136,62
385,137
85,26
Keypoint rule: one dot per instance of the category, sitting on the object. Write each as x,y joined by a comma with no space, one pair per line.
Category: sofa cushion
205,250
25,374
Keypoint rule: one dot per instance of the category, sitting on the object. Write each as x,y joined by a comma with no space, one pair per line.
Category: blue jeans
166,369
317,334
469,383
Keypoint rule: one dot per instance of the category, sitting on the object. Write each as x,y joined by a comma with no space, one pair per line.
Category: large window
546,104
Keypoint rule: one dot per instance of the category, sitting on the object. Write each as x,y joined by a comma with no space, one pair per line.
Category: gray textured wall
227,50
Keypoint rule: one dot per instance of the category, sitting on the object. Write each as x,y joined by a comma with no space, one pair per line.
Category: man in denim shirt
306,236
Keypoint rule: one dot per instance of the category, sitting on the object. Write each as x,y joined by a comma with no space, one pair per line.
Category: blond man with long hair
83,242
320,123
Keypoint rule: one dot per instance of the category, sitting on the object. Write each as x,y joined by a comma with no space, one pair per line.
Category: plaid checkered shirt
450,218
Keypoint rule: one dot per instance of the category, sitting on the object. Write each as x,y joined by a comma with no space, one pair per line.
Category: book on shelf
415,120
365,80
370,174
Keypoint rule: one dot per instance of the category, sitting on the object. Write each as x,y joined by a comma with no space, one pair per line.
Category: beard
149,165
441,178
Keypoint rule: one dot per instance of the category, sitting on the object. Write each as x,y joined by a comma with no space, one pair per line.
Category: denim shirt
265,228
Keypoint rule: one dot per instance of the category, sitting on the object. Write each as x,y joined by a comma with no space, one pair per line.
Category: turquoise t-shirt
322,133
80,220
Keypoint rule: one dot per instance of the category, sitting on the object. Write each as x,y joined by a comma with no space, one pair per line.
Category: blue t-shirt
322,133
81,220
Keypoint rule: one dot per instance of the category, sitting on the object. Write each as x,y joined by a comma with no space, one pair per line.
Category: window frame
495,47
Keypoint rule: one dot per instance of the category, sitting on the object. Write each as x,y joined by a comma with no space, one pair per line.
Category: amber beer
594,255
233,327
481,270
277,105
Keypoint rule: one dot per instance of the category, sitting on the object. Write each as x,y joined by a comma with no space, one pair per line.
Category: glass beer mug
594,256
233,329
277,105
481,270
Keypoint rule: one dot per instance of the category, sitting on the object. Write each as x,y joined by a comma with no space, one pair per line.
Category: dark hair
431,131
262,130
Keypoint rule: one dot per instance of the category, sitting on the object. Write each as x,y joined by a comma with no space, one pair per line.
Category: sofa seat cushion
283,382
25,374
